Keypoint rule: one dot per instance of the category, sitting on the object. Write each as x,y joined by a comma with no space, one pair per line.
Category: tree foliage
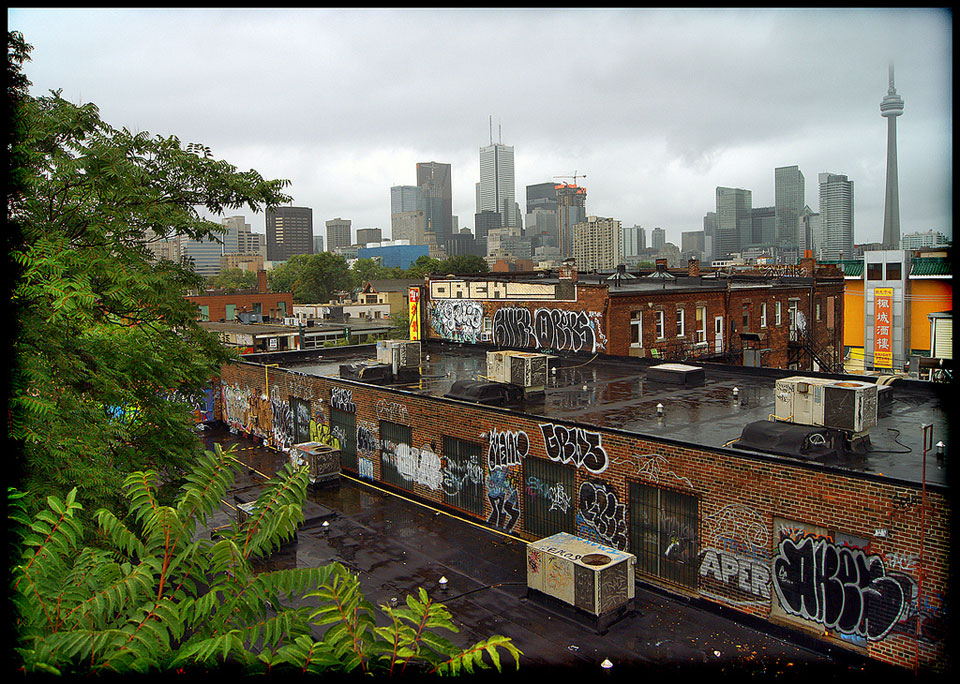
164,594
104,335
233,280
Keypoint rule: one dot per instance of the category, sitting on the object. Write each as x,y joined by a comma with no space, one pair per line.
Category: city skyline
657,115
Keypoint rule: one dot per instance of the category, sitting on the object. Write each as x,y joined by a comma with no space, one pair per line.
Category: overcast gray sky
657,108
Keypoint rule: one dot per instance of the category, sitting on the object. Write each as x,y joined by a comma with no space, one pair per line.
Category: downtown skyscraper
436,193
836,216
734,221
289,232
789,194
497,191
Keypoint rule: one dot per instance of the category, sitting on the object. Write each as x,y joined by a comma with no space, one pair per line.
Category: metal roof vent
676,374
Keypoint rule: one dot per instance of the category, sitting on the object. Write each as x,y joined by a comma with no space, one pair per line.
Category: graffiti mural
421,466
557,329
458,320
841,587
341,398
393,412
365,468
575,445
366,439
460,475
507,448
321,432
504,499
200,403
735,557
554,493
600,515
656,468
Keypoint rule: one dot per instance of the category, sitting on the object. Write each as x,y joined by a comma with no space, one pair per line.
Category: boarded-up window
830,311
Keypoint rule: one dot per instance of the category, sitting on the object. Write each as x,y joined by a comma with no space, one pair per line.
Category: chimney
693,268
568,270
808,265
261,281
661,265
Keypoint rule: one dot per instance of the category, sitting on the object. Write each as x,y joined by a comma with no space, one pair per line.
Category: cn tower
891,107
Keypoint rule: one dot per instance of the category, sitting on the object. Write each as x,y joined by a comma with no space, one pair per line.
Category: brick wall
767,538
269,304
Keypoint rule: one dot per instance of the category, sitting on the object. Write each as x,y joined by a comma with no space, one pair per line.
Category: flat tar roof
616,394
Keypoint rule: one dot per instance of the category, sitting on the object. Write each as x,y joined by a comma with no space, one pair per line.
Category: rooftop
618,394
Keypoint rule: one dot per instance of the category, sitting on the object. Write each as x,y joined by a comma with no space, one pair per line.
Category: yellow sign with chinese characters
414,313
883,327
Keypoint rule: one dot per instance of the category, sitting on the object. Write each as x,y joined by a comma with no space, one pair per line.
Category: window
300,412
746,318
463,480
875,271
204,312
344,426
816,309
659,320
230,313
680,322
778,314
548,497
395,453
258,307
701,325
636,328
763,314
893,271
664,533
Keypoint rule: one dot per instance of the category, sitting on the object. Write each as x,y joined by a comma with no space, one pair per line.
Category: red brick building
219,307
831,552
791,318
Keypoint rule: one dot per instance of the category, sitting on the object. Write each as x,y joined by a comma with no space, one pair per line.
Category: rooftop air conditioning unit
596,580
323,461
849,405
526,369
290,320
402,355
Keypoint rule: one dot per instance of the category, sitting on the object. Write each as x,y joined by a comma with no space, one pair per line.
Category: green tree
366,270
464,264
233,279
424,265
103,333
166,594
312,278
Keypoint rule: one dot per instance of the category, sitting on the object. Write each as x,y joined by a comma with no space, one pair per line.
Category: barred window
463,475
664,533
344,426
548,497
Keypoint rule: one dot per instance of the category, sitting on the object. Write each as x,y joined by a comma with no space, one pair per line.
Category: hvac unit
403,357
323,461
291,320
525,369
596,580
849,405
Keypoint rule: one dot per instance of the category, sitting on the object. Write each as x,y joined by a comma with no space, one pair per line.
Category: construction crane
574,176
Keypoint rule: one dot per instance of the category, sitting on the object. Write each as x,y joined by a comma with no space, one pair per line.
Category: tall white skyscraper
836,216
496,191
